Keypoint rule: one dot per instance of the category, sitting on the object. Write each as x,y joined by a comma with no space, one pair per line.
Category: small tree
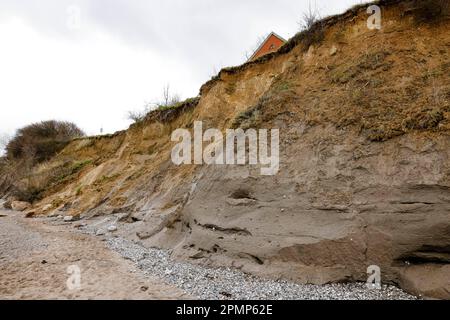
167,100
309,18
311,27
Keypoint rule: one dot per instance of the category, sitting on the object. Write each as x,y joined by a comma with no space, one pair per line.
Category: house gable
272,43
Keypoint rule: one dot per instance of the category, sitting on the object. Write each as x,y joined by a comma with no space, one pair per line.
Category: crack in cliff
238,231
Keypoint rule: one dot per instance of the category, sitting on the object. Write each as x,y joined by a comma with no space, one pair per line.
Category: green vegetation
176,105
79,165
163,112
79,191
282,86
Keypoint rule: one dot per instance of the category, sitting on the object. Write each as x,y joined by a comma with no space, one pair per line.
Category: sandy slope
34,259
364,179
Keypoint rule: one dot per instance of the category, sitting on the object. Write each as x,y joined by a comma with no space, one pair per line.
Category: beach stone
20,205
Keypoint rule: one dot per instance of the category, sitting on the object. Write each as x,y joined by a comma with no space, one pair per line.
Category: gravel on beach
226,283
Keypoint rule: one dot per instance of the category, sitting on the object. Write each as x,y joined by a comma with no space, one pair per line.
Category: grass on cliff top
176,105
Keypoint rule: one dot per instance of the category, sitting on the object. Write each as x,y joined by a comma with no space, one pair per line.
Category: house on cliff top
272,43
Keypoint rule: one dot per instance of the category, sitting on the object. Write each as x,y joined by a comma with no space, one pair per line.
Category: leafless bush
38,142
30,146
167,100
309,18
139,115
311,27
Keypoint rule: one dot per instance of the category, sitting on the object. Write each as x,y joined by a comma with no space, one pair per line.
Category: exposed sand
34,261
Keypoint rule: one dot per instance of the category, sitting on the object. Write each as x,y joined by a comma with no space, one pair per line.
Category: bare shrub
311,26
167,101
32,145
38,142
309,18
139,115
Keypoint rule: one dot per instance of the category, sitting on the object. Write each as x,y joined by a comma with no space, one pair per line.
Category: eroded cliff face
364,173
337,206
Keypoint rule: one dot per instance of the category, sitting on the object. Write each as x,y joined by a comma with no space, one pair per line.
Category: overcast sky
91,61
